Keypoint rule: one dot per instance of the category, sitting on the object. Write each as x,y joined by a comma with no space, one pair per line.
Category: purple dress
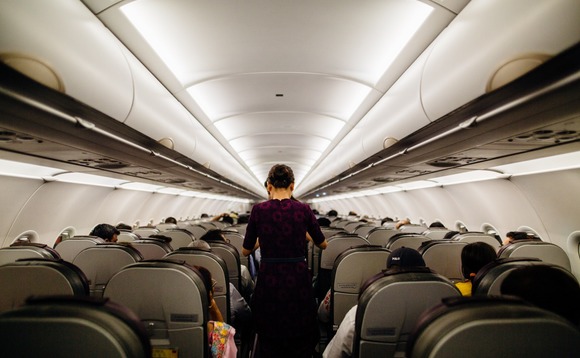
283,304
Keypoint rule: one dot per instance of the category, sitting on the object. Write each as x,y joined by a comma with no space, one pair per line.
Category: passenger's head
323,222
227,219
436,224
402,222
332,213
386,220
166,239
515,236
200,244
243,219
449,235
106,232
122,226
474,256
547,287
213,235
170,220
280,176
404,257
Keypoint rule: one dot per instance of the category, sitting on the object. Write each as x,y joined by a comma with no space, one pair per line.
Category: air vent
412,172
384,179
546,135
174,181
10,137
448,162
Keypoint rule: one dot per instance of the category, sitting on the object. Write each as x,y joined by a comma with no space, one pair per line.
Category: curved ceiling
276,81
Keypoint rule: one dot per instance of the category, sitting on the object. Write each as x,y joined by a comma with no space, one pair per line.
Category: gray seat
152,249
545,251
351,270
412,229
351,226
364,229
237,240
380,235
179,237
26,251
492,327
489,279
231,257
218,269
127,236
444,257
197,230
39,277
166,226
99,263
72,327
410,240
389,308
435,233
171,300
470,237
145,231
68,249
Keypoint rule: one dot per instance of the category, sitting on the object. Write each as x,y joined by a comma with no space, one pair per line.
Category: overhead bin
494,38
64,37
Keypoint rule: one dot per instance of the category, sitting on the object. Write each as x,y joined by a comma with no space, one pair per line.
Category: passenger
386,220
283,304
171,220
437,224
220,334
166,239
123,227
223,217
323,222
547,287
473,257
402,222
450,235
332,214
247,289
106,232
515,236
341,345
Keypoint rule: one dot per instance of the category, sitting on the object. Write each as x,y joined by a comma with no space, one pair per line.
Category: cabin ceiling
305,83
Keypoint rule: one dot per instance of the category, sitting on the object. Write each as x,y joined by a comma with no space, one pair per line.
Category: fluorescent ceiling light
542,165
141,186
88,179
173,191
23,170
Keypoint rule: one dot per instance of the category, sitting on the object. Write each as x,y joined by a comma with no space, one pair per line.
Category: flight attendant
283,303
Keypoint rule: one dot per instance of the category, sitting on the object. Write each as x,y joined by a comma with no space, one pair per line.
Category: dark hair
243,219
227,219
206,278
547,287
449,235
170,220
437,224
122,226
281,176
332,213
213,235
323,222
105,231
518,235
160,237
386,219
474,256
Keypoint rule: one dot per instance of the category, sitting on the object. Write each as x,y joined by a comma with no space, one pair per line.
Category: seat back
413,229
351,226
490,277
39,277
351,270
152,249
470,237
197,230
145,231
545,251
237,240
413,241
231,257
179,237
72,327
166,226
492,327
127,236
27,250
435,233
218,269
380,235
171,300
68,249
99,263
444,257
363,229
390,307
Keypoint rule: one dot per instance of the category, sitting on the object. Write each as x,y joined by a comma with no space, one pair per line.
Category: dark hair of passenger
243,219
547,287
213,235
450,234
386,219
206,278
204,215
104,231
518,235
122,226
281,176
160,237
474,256
437,224
323,222
227,219
170,220
332,213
